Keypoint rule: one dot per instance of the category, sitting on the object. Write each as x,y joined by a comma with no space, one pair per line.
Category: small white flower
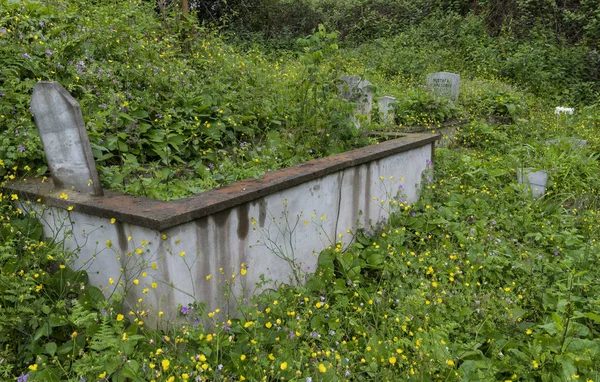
563,110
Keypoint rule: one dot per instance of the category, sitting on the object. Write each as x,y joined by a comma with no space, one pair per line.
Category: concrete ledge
161,215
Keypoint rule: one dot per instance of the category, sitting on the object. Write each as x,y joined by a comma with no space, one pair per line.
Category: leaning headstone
444,84
64,138
360,91
386,109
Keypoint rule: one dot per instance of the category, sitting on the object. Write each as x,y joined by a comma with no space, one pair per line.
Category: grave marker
386,109
360,91
60,123
348,86
444,84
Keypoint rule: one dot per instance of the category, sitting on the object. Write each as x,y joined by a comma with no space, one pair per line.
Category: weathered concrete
275,226
62,131
444,84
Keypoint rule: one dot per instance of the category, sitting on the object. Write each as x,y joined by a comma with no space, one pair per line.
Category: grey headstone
444,84
386,109
64,138
534,180
578,143
365,98
348,87
360,91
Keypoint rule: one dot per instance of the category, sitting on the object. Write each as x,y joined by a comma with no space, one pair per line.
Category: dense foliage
575,21
476,281
173,108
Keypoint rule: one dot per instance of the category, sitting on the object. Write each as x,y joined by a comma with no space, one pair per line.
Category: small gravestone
572,142
535,181
360,91
444,84
64,138
386,109
348,87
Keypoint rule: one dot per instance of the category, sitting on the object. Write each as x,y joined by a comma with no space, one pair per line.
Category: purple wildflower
1,94
26,56
49,52
2,31
211,166
185,310
347,373
23,378
21,148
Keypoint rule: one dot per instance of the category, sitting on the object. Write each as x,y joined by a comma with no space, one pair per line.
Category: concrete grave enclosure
191,247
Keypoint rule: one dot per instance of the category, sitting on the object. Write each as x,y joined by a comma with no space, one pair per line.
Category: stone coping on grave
161,215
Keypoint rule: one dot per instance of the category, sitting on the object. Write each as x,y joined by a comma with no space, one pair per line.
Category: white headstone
64,138
386,109
444,84
360,91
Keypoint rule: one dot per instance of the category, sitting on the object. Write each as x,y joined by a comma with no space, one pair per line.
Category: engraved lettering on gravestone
444,84
60,123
